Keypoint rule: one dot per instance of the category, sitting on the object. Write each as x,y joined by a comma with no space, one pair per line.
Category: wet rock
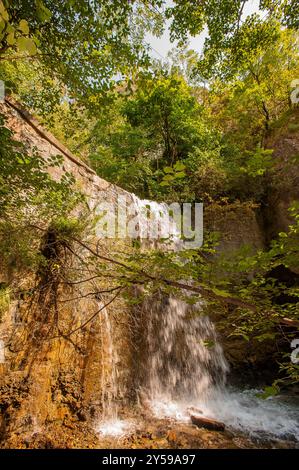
172,436
82,415
207,423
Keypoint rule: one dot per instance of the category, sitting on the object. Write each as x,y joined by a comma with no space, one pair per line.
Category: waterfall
185,359
110,424
182,362
185,367
108,366
155,224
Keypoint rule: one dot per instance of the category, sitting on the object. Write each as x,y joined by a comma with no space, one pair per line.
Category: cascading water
181,365
109,374
110,424
184,365
187,371
185,359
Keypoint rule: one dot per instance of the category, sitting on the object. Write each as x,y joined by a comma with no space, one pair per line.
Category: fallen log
207,423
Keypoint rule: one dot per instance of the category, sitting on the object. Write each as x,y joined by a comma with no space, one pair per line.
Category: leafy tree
255,100
83,44
233,41
290,13
167,109
15,33
143,142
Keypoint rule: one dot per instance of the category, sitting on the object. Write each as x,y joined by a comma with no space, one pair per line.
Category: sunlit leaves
86,46
15,35
177,172
3,12
233,39
23,27
258,162
43,13
26,44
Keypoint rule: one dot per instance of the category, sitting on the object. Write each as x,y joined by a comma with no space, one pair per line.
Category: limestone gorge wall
48,380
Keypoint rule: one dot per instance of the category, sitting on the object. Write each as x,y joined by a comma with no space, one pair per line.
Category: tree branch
89,320
83,296
197,289
204,291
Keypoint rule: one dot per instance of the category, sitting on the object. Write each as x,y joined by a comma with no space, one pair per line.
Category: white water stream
186,368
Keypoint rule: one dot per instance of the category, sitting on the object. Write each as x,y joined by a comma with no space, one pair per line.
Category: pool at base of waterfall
241,411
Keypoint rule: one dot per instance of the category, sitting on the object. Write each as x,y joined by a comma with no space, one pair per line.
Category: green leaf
243,335
9,28
23,27
2,25
22,44
265,336
181,174
31,46
43,13
168,178
168,169
269,392
208,343
26,44
3,12
11,40
179,166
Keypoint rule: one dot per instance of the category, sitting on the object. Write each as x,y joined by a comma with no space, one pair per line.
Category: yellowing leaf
2,25
11,39
3,12
31,46
26,44
21,44
23,26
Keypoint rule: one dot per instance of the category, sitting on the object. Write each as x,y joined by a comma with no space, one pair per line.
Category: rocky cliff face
47,380
283,182
240,224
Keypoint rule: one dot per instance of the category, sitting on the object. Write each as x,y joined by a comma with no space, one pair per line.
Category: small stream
242,411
